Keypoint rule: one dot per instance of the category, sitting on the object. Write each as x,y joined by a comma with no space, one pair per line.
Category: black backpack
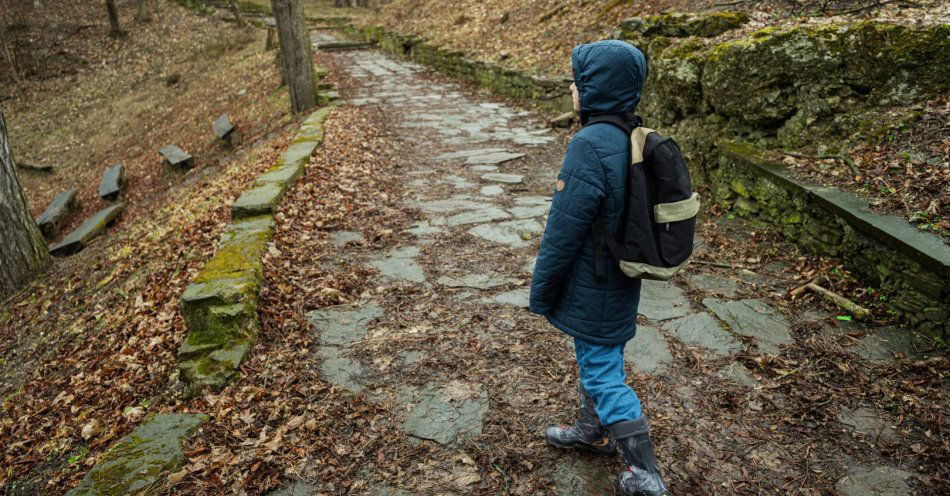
660,217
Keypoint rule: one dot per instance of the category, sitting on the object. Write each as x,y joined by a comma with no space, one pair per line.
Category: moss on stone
134,464
678,24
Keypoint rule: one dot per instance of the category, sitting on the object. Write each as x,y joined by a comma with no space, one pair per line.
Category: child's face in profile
576,97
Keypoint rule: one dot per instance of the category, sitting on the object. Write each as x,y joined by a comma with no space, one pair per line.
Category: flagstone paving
479,176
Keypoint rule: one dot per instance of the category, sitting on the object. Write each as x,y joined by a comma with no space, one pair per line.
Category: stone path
446,343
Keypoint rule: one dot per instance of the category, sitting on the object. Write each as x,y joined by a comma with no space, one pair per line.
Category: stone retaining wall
220,304
548,93
910,266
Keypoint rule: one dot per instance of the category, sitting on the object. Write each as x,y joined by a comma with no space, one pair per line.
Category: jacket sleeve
573,210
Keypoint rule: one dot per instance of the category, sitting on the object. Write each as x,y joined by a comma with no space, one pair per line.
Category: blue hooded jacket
609,76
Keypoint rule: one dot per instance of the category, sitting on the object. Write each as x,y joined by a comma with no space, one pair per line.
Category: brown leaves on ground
123,99
281,419
905,170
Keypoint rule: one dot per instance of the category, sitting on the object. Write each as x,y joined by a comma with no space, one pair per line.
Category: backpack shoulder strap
638,143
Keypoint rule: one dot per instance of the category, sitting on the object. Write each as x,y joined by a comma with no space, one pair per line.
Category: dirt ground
93,342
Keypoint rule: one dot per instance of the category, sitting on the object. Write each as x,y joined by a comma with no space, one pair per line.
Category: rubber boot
642,477
587,434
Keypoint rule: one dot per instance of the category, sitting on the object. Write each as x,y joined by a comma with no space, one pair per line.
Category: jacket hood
609,76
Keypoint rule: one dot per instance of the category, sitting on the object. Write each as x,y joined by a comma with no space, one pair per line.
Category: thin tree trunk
115,30
143,13
237,14
296,58
23,251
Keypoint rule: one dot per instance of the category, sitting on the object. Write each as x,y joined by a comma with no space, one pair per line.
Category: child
600,313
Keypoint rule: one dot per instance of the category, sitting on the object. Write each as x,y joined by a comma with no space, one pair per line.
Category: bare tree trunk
143,13
237,14
23,251
115,30
296,59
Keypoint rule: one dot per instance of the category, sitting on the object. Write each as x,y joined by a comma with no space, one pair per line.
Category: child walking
598,308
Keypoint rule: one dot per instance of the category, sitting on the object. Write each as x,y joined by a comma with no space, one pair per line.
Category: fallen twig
717,264
853,308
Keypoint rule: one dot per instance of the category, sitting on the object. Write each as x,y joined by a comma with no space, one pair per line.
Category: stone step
92,227
175,156
56,211
113,180
222,127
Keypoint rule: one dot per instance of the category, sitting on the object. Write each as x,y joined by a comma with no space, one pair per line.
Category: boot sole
601,450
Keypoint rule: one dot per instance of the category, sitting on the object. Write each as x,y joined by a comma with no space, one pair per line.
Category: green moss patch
134,464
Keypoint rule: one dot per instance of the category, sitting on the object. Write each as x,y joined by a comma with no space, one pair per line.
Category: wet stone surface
753,318
701,329
515,233
135,463
401,264
341,238
877,481
579,474
449,413
648,352
869,422
662,301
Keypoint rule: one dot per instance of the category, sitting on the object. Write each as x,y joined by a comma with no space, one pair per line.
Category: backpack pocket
675,225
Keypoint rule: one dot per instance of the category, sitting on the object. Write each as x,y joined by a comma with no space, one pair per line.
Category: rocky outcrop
730,99
220,304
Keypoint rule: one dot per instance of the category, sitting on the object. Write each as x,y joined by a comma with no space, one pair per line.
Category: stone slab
222,126
474,281
576,476
493,158
424,229
281,175
711,283
487,214
700,329
882,480
136,463
447,414
453,204
469,153
400,264
869,422
343,325
738,373
662,300
753,318
341,238
491,190
56,212
92,227
258,200
500,177
175,156
113,180
529,211
648,352
515,233
516,298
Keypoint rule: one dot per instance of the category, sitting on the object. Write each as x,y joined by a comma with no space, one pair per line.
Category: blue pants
602,374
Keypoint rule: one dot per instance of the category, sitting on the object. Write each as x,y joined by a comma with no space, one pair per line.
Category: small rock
503,178
113,179
175,156
563,120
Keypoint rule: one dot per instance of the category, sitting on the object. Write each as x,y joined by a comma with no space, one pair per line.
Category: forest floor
394,282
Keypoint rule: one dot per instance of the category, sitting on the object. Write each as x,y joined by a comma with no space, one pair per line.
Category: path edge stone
220,305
